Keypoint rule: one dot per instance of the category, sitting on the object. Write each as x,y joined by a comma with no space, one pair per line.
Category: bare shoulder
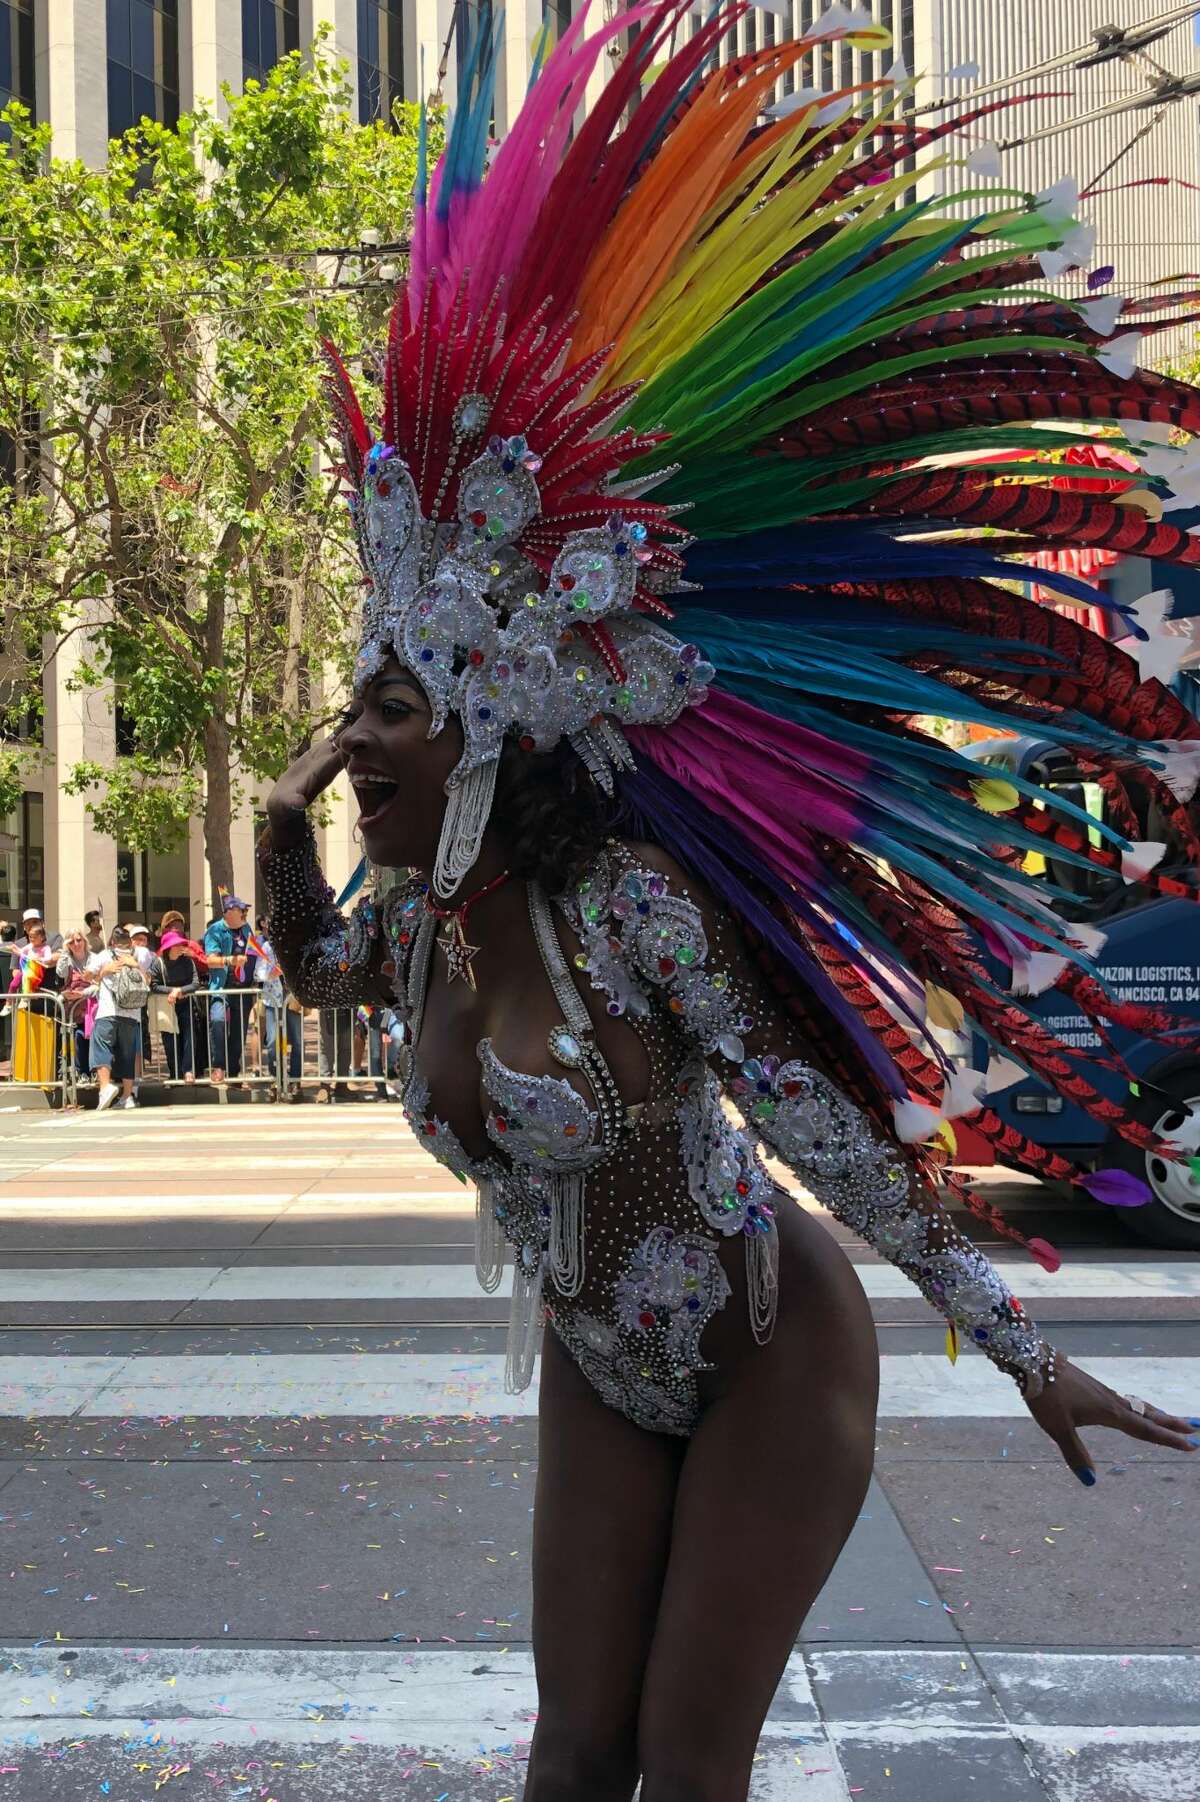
682,880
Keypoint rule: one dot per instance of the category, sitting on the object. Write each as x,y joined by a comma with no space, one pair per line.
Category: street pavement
265,1509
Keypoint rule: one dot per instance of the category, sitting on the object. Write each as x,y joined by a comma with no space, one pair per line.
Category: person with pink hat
178,980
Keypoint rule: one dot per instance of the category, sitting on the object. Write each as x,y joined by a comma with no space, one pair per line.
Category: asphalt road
265,1510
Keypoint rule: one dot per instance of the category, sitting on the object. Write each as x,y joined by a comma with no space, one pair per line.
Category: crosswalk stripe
462,1718
422,1383
411,1282
221,1203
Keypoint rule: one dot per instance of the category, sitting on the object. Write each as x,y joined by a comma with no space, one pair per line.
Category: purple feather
1116,1188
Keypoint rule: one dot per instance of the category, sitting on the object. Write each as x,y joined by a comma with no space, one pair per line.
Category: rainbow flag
257,949
33,972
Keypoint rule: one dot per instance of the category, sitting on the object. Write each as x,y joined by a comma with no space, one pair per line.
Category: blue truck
1152,955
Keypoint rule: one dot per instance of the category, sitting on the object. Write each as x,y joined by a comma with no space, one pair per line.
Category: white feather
1060,199
1053,263
792,103
1087,938
914,1121
1121,356
1002,1073
1036,971
1141,858
1101,315
964,1094
1180,759
985,161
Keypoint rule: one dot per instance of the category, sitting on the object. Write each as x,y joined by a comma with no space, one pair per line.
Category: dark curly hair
552,816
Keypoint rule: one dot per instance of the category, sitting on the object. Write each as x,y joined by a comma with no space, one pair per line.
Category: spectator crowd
137,1006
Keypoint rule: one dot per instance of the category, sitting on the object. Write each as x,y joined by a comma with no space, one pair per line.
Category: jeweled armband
830,1145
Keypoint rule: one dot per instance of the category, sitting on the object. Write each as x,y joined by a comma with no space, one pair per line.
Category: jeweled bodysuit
614,1214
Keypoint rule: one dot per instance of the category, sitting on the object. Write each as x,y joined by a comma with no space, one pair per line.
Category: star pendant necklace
453,941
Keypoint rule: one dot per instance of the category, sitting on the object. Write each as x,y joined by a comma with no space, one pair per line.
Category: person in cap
226,946
32,917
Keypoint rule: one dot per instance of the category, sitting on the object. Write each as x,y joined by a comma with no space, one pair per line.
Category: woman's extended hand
1074,1399
298,788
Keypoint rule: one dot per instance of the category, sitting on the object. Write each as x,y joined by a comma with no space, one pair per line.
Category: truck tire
1172,1219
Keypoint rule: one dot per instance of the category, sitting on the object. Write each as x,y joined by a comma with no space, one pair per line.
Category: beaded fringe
762,1283
524,1322
567,1232
489,1239
468,808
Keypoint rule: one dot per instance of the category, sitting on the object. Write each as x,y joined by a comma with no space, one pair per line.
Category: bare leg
772,1483
601,1526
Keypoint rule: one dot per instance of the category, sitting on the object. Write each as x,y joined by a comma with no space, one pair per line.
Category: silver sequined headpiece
504,650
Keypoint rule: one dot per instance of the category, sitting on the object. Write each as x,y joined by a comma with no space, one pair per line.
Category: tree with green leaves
173,500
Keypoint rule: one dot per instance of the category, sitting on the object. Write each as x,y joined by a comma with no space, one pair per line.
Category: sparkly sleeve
328,960
645,936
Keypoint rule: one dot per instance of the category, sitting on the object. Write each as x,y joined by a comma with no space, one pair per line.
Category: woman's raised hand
298,788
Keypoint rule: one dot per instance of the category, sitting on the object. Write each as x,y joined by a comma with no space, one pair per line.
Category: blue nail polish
1195,1439
1086,1476
1193,1423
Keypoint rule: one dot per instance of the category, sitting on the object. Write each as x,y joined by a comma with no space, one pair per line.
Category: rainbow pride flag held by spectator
257,949
33,972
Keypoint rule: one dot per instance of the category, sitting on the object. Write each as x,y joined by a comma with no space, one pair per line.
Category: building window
270,28
22,857
143,63
380,58
557,15
16,55
150,883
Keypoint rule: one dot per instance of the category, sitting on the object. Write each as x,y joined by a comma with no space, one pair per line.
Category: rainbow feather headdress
858,401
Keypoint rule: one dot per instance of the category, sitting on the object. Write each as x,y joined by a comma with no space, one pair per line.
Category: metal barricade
41,1041
331,1053
341,1053
212,1036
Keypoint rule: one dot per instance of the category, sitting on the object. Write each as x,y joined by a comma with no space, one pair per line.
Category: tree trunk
218,806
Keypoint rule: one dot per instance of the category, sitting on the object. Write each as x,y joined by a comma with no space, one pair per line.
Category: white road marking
472,1710
223,1204
329,1384
445,1282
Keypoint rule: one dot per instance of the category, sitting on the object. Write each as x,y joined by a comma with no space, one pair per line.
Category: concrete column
210,51
199,882
342,43
422,47
70,76
522,22
81,863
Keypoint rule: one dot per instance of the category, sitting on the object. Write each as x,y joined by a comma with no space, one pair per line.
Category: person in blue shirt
226,949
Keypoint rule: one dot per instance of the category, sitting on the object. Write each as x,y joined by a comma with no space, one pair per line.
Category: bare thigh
772,1482
601,1535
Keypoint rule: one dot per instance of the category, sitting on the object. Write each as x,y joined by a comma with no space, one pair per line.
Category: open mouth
375,795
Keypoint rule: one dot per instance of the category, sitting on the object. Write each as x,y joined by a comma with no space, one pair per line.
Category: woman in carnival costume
642,855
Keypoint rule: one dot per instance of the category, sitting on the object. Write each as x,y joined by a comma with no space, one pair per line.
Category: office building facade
93,67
